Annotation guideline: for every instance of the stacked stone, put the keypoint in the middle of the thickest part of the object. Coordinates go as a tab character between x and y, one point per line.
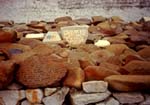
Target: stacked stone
92	93
87	57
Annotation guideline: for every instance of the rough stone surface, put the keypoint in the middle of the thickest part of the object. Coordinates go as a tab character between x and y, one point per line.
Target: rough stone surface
147	100
26	102
75	35
109	101
11	97
14	86
84	99
49	91
34	95
129	98
94	86
57	98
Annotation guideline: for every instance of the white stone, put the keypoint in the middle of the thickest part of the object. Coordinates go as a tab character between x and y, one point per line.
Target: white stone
109	101
49	91
102	43
146	19
129	98
14	86
101	103
11	97
57	98
26	102
94	86
34	95
52	37
147	100
112	101
75	35
35	36
84	99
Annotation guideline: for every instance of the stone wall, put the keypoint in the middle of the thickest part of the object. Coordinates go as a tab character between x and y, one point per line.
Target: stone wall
27	10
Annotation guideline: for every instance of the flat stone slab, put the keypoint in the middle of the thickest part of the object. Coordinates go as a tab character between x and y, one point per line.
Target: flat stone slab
129	98
11	97
52	37
75	35
84	99
94	86
57	98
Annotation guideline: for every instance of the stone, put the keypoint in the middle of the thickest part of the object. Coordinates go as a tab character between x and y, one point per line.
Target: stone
83	21
74	78
75	35
14	86
84	99
145	53
106	29
64	18
147	100
26	102
128	83
98	72
7	36
49	91
112	101
35	36
32	75
11	97
145	19
34	95
52	37
57	98
102	43
129	98
94	86
1	101
6	73
97	19
109	101
138	67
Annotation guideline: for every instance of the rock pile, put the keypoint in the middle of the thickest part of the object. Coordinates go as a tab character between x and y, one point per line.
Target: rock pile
97	61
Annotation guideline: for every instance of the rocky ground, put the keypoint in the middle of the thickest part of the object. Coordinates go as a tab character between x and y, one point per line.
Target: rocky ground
97	61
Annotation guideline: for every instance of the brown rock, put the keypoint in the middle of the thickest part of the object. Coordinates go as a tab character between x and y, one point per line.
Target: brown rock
6	73
145	53
30	42
93	29
117	48
83	21
42	50
138	67
110	66
98	72
146	26
101	55
40	71
4	54
65	18
97	19
74	78
115	60
18	58
129	82
14	48
105	28
7	36
85	63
